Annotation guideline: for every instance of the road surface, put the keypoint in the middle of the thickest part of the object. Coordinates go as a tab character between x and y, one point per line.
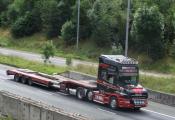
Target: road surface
93	111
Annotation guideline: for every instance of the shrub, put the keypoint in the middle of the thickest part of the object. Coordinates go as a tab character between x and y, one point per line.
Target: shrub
69	61
68	32
3	19
48	51
147	31
26	25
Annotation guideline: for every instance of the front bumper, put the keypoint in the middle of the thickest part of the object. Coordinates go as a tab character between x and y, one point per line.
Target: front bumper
132	103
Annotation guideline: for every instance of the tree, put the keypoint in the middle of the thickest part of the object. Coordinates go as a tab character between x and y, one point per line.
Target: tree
3	12
48	51
85	22
107	21
54	14
68	33
4	5
26	25
147	31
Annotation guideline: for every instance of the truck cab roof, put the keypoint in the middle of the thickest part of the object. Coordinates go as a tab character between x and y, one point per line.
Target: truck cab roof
116	60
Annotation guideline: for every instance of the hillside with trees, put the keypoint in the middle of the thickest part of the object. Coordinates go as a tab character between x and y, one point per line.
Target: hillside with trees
152	23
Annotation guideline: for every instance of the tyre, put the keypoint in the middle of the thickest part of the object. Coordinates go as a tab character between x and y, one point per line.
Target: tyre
113	104
136	109
89	95
80	93
30	82
23	80
16	78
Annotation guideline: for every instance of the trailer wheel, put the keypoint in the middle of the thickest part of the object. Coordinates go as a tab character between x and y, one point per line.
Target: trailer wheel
30	82
113	103
16	78
23	80
136	109
80	93
89	95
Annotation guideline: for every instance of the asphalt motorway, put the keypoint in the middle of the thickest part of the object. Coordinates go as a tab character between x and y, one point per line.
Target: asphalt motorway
69	103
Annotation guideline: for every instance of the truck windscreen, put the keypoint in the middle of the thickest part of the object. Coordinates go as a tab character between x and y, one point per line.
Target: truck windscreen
128	80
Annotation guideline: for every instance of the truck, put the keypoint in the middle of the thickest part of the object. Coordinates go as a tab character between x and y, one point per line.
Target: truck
117	84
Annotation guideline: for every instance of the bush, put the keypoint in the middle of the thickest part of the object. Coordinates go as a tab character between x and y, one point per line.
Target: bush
116	50
12	14
48	51
3	19
148	30
68	33
54	14
107	22
69	61
26	25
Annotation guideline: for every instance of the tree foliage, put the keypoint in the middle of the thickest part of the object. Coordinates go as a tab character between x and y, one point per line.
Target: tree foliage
147	31
26	25
48	51
106	18
68	32
152	22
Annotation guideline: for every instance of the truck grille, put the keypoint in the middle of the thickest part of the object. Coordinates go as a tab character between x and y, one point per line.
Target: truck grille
139	102
139	96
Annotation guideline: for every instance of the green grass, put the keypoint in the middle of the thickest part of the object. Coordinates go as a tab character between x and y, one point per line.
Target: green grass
158	84
164	66
36	66
87	49
5	118
88	69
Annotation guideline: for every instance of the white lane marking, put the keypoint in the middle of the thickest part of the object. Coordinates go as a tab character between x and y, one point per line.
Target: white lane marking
2	80
43	92
61	93
159	113
106	111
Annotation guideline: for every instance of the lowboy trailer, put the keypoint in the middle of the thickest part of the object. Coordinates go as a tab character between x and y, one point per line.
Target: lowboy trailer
117	83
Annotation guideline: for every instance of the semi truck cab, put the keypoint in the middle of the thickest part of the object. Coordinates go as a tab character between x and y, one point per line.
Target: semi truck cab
118	83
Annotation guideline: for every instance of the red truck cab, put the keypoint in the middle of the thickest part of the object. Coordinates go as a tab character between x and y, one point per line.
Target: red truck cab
118	83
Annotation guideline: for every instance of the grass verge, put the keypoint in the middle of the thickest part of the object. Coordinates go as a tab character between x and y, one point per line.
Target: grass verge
36	66
88	69
87	49
159	84
5	118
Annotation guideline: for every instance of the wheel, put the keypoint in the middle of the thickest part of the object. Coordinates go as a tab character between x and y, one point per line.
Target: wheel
23	80
113	103
136	109
30	82
16	78
80	93
89	95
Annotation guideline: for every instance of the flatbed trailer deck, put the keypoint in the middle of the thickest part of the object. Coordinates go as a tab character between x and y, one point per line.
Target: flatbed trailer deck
29	76
58	82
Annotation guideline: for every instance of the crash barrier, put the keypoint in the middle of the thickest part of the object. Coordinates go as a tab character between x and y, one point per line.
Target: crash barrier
155	96
20	108
161	97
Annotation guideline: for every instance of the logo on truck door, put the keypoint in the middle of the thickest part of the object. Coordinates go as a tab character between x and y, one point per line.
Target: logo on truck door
98	97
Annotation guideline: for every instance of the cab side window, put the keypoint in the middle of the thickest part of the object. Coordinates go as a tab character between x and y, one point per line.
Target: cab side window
110	79
103	75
